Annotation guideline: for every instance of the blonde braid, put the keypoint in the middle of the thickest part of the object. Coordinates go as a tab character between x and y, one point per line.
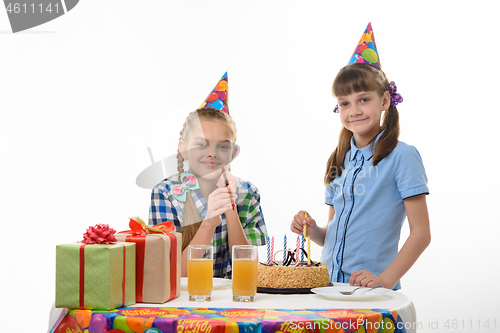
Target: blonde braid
180	158
180	164
190	216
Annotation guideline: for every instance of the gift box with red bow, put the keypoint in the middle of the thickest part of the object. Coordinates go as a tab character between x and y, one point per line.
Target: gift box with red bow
158	260
97	273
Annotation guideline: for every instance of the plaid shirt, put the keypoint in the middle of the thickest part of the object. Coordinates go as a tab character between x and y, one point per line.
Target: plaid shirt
164	207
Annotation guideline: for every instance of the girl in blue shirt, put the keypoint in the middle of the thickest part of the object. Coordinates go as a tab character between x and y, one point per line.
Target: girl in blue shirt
373	182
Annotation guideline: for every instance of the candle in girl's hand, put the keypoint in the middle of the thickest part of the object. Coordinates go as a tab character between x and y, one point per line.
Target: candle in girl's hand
284	248
308	242
304	228
297	252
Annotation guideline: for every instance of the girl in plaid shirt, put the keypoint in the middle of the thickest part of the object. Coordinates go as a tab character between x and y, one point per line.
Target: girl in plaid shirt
199	203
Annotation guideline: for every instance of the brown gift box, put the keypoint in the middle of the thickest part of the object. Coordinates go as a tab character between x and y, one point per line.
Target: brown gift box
158	262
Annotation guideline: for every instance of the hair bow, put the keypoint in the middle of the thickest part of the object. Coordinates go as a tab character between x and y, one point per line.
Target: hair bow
395	97
188	182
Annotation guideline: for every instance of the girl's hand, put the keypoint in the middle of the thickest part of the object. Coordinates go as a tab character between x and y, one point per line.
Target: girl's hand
297	225
233	181
219	202
364	278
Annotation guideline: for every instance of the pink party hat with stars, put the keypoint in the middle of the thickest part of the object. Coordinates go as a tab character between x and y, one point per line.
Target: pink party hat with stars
366	50
217	98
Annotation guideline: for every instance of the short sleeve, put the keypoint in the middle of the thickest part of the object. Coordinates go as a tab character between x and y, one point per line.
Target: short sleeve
161	208
251	216
329	194
411	178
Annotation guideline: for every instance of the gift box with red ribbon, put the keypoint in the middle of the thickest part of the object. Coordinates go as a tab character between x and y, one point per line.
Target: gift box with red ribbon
158	260
97	273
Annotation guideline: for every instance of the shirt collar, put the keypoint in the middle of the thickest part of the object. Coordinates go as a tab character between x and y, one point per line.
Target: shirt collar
367	152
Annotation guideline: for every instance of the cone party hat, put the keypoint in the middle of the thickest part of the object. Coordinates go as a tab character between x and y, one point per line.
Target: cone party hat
366	50
218	97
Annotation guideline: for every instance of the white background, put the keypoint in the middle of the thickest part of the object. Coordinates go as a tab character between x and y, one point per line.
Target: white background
83	96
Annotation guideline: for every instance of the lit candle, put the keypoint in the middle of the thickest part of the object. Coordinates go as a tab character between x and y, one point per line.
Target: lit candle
284	248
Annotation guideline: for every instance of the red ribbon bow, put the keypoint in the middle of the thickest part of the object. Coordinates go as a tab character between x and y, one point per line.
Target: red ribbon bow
100	234
140	228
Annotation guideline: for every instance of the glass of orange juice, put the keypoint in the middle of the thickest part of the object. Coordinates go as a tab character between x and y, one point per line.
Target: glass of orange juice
200	272
244	260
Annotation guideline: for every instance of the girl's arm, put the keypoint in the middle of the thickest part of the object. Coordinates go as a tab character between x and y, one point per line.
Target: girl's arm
219	201
250	217
237	229
316	233
416	243
203	237
235	233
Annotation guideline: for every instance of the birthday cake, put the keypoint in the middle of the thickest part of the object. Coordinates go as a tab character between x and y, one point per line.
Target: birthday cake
289	275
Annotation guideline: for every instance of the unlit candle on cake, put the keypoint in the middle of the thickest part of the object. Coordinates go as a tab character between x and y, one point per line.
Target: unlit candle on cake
284	248
297	252
302	252
308	251
268	252
272	250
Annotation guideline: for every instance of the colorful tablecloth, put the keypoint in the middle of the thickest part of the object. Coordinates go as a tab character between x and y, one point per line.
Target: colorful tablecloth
231	320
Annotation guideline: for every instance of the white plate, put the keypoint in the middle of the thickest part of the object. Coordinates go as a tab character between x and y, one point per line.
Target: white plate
219	283
360	294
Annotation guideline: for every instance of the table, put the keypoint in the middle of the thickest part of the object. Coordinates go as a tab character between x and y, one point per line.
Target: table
273	306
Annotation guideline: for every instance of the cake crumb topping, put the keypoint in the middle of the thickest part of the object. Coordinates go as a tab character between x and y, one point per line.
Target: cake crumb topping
292	276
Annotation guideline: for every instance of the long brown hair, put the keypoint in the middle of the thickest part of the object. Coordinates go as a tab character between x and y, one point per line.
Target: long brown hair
354	78
191	219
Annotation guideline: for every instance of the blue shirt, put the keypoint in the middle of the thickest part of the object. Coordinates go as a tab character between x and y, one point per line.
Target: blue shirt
369	209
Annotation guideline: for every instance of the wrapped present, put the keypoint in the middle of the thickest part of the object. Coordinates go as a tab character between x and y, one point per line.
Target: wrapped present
97	273
158	263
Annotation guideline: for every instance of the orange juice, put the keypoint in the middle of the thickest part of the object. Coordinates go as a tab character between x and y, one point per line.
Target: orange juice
244	277
200	280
